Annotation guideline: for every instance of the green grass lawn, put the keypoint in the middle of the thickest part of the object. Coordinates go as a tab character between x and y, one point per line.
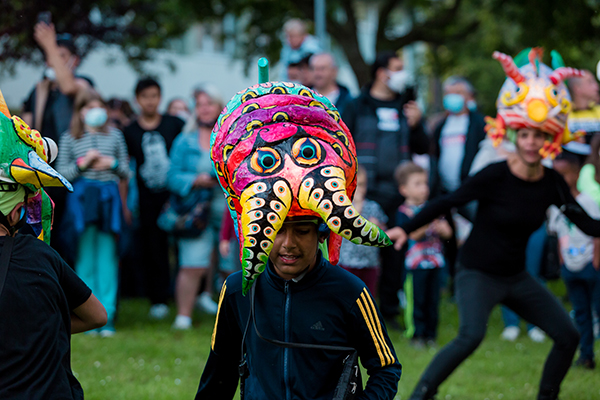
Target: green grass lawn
146	360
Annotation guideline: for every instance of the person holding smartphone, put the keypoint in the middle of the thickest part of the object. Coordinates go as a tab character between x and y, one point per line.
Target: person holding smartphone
49	106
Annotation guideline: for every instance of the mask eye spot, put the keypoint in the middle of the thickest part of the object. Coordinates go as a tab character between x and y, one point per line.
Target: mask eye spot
227	151
253	125
281	117
305	92
278	90
265	160
307	151
338	149
335	115
249	95
250	108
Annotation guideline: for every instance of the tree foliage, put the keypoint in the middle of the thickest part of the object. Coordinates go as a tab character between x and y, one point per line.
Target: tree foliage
138	26
461	34
572	28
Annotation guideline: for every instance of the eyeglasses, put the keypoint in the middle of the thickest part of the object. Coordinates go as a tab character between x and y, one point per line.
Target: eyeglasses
9	187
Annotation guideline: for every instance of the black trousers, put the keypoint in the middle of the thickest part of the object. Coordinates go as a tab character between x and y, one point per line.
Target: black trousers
392	274
476	294
422	288
155	263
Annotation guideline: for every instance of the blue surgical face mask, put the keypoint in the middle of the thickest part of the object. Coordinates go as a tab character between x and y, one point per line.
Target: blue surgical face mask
96	117
472	105
454	103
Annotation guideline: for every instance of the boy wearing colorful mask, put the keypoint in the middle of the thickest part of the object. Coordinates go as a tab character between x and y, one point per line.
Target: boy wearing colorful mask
287	164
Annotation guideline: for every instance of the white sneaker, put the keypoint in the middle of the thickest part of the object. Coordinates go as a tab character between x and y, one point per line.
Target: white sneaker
207	304
106	333
536	334
510	333
159	311
182	323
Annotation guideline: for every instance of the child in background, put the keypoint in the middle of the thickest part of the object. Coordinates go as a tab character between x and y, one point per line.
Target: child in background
580	256
363	261
94	157
424	257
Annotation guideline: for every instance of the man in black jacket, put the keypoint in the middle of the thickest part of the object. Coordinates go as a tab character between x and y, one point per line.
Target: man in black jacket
387	127
456	139
300	298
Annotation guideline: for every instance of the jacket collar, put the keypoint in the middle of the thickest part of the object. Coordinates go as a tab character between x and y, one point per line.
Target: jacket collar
304	281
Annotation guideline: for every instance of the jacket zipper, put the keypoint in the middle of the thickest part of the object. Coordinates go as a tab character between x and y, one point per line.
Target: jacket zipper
286	326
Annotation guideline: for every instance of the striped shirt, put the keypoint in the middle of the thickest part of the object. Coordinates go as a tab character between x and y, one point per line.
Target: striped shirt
108	144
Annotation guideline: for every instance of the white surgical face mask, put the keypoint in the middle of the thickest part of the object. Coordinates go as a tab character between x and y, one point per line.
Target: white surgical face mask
399	80
96	117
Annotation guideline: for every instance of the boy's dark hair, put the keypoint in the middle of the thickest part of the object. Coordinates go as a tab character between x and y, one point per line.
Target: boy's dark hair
302	63
382	60
144	84
405	170
573	159
66	40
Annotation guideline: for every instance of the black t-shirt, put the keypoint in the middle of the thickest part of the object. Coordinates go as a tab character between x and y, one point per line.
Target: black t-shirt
48	126
39	294
150	149
510	210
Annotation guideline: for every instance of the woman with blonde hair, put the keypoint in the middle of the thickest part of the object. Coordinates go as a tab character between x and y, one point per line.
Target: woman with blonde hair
191	172
94	157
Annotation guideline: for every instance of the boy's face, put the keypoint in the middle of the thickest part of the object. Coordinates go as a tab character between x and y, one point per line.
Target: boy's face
361	186
149	99
416	189
295	249
569	172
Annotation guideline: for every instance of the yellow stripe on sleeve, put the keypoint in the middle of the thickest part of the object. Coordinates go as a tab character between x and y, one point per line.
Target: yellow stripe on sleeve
373	334
214	334
379	337
387	349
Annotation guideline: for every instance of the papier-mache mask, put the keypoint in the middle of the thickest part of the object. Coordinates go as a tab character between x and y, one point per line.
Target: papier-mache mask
24	160
534	96
281	150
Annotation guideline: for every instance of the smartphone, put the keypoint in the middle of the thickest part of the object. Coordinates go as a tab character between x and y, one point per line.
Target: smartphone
45	17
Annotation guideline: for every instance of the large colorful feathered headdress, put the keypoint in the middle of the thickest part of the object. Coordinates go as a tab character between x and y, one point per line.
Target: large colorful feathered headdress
24	159
281	150
534	96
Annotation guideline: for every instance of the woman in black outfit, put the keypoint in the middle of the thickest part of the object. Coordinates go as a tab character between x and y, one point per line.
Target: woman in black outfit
513	198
